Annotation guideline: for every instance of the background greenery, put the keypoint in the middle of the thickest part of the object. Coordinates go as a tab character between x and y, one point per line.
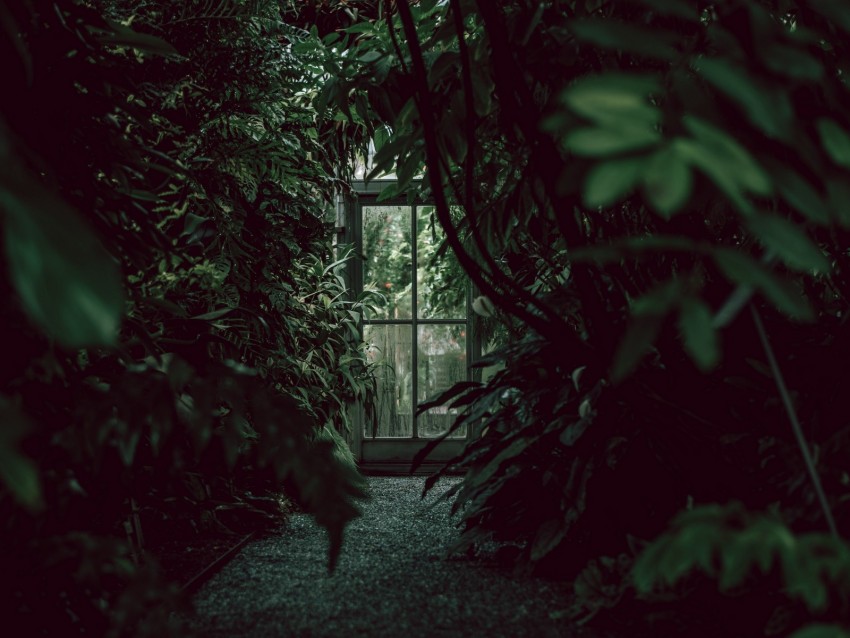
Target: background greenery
179	345
651	192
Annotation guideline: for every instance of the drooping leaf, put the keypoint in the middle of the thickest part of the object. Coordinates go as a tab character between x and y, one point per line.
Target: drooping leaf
638	339
767	109
789	242
122	35
800	194
614	99
19	473
602	142
792	62
748	173
622	36
67	282
658	301
389	192
716	168
835	141
741	268
838	191
820	630
699	334
549	535
609	181
667	181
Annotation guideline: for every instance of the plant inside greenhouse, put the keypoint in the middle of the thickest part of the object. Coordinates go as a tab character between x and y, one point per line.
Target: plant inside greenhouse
425	317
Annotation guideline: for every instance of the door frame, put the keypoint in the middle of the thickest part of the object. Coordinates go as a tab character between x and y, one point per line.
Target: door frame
386	455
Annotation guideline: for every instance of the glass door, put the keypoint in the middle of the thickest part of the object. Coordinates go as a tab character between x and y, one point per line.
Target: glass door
418	338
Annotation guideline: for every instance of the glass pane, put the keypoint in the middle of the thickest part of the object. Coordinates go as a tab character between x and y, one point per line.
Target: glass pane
488	372
390	348
440	282
441	363
387	259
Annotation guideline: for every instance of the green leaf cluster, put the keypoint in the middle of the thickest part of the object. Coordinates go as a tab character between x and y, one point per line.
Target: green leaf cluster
728	543
183	336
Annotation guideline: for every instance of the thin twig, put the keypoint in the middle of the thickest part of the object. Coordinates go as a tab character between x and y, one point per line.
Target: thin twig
795	423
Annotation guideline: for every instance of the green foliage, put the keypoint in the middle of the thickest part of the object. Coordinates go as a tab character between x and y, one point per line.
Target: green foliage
820	631
68	284
620	180
728	542
180	335
19	473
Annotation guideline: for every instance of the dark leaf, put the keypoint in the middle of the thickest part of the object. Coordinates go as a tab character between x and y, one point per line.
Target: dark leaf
621	36
609	181
18	472
767	109
667	181
67	282
639	337
743	269
699	334
835	140
601	142
789	242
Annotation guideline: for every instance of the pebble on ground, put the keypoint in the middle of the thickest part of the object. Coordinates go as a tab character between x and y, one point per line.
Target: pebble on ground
393	580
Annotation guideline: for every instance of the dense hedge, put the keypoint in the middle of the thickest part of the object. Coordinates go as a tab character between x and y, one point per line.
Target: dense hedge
178	341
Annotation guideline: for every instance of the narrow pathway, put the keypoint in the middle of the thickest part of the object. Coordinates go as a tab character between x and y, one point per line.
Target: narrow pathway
392	581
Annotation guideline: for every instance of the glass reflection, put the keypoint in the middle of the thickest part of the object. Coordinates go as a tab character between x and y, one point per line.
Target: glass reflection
387	259
389	347
441	362
440	282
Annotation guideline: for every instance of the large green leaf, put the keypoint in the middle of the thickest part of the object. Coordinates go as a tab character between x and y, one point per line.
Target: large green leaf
667	180
122	35
18	472
610	181
549	535
838	191
67	282
835	141
790	243
732	169
658	301
791	62
743	269
648	314
601	142
800	194
699	334
768	110
614	99
621	36
636	342
739	162
821	631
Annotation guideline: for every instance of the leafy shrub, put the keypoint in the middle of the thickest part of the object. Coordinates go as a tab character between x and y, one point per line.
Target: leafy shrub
729	542
180	335
630	176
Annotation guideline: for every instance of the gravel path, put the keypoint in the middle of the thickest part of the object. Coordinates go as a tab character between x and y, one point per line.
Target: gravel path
392	580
